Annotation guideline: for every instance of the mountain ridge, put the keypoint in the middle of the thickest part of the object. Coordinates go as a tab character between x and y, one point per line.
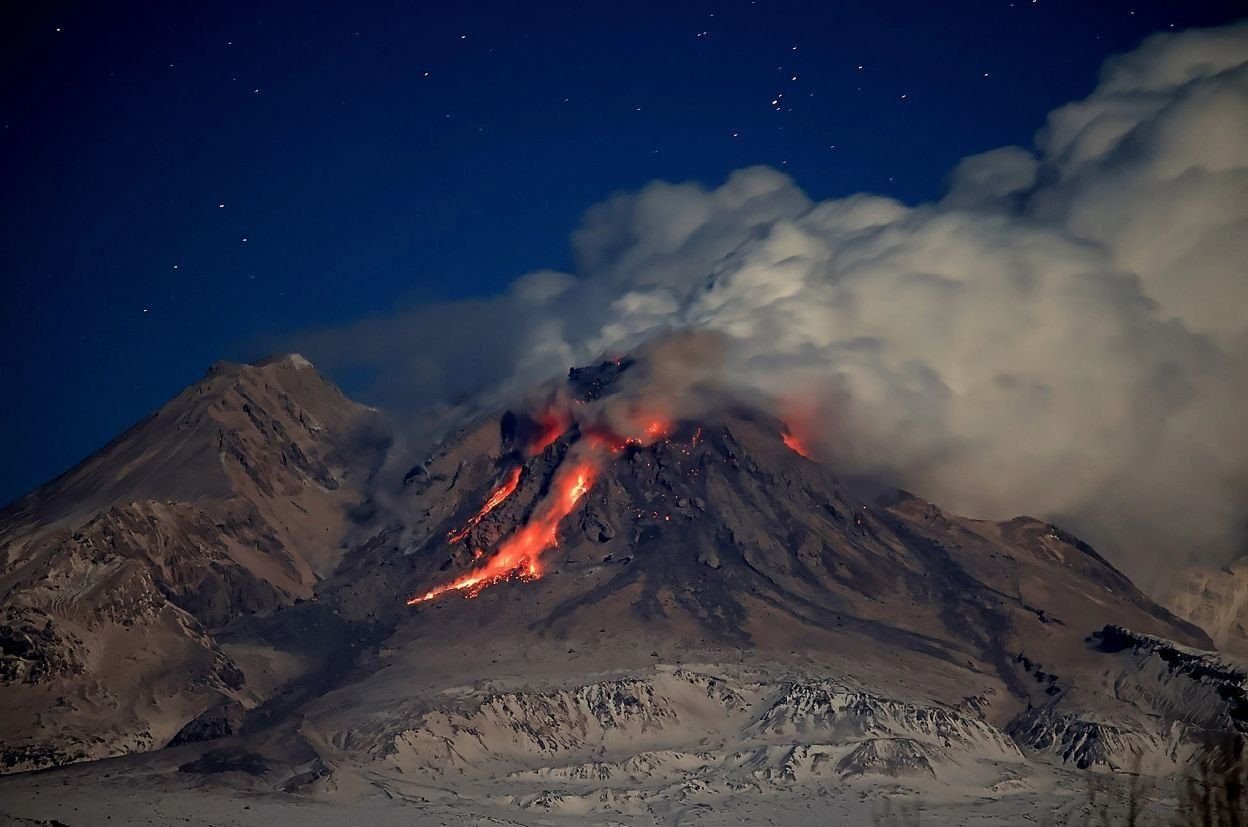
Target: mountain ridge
655	591
228	500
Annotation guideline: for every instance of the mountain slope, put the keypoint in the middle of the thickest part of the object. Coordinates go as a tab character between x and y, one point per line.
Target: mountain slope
230	500
621	600
714	541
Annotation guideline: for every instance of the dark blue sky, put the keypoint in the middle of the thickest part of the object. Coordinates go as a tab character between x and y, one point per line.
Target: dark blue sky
180	184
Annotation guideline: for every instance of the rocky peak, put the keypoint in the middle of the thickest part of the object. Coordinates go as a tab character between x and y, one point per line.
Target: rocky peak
229	501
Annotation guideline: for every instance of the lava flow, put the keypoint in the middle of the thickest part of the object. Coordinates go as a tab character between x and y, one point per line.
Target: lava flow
795	444
501	493
518	556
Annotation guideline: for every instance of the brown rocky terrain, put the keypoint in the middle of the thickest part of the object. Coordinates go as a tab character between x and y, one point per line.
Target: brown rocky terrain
229	501
603	603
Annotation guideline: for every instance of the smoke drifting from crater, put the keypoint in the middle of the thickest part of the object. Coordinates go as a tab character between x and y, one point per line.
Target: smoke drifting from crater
1064	334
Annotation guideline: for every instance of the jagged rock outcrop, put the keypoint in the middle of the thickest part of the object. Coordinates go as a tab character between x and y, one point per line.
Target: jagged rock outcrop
654	729
1173	700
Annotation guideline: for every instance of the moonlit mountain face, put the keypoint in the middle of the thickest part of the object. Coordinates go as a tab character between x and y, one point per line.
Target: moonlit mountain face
622	597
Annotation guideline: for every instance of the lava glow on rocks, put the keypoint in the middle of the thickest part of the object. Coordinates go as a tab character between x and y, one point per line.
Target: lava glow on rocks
653	431
552	425
501	493
518	558
795	444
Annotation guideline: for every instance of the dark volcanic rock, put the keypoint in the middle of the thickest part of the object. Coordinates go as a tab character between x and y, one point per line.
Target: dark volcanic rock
227	760
216	722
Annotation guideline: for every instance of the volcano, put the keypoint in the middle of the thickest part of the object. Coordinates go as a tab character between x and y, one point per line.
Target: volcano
603	604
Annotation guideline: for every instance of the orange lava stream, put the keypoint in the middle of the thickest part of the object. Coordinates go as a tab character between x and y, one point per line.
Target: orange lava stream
518	556
794	444
503	492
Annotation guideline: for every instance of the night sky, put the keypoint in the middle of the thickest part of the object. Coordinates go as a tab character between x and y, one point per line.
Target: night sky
182	186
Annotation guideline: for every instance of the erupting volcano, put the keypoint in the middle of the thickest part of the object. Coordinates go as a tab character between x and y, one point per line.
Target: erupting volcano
593	441
518	558
653	529
624	540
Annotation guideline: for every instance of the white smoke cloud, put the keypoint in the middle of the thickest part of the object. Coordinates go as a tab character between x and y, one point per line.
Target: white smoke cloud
1064	334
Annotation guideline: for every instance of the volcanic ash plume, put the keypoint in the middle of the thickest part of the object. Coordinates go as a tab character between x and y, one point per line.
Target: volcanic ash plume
1064	334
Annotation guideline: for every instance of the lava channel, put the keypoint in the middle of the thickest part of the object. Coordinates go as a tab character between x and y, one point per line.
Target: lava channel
496	499
518	558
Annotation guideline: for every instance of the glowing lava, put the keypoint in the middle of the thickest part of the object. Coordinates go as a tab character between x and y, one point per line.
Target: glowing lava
518	556
653	431
794	443
552	425
501	493
657	429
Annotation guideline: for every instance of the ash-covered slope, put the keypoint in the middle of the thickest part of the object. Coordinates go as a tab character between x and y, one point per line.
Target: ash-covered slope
1216	599
230	500
625	599
706	524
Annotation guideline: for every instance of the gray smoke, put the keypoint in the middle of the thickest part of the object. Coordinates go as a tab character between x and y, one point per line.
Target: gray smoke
1064	334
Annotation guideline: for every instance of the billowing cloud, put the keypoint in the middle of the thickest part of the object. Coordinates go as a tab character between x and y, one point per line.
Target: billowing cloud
1064	334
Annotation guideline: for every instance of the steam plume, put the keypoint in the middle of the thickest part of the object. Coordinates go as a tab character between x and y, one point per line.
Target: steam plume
1064	334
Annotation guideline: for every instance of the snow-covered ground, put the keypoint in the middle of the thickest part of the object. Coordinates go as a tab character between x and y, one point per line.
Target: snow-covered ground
674	745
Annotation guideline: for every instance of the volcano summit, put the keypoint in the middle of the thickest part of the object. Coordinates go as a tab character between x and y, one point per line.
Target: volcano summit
607	603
